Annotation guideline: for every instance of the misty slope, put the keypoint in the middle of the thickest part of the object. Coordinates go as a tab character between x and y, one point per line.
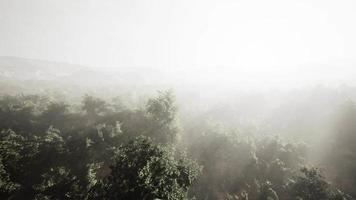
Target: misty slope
14	68
292	112
22	69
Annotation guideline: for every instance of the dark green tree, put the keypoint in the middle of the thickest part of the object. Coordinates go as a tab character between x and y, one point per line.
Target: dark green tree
143	170
311	185
163	114
34	167
93	107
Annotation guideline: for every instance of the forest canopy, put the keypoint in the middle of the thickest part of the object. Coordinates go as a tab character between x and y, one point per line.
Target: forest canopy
99	149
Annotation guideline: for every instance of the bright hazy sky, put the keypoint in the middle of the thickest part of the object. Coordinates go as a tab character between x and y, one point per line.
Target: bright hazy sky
246	39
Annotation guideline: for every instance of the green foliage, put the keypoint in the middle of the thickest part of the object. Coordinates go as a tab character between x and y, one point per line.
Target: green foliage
163	113
67	164
35	168
162	108
94	150
340	159
93	107
311	185
56	114
244	167
142	170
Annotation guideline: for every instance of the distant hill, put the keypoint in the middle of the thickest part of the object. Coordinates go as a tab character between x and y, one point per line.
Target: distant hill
23	69
29	69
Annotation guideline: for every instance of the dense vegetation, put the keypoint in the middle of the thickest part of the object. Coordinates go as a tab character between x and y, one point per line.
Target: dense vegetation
97	149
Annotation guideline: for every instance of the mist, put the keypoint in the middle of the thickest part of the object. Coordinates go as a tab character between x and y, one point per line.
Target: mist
210	100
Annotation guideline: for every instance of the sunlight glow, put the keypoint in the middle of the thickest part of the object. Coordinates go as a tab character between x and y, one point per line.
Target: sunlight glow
257	42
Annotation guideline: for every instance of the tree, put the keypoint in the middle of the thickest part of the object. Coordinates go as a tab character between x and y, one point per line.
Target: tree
32	167
341	157
16	114
54	115
311	185
93	107
163	113
143	170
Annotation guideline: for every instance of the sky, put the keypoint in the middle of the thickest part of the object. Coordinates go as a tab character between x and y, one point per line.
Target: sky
274	42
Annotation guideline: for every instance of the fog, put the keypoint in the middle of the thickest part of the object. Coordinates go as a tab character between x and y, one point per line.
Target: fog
225	100
254	43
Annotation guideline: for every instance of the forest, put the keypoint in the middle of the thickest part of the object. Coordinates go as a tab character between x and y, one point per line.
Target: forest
97	148
177	100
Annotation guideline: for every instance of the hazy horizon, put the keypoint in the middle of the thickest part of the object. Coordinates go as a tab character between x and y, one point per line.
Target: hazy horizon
252	43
